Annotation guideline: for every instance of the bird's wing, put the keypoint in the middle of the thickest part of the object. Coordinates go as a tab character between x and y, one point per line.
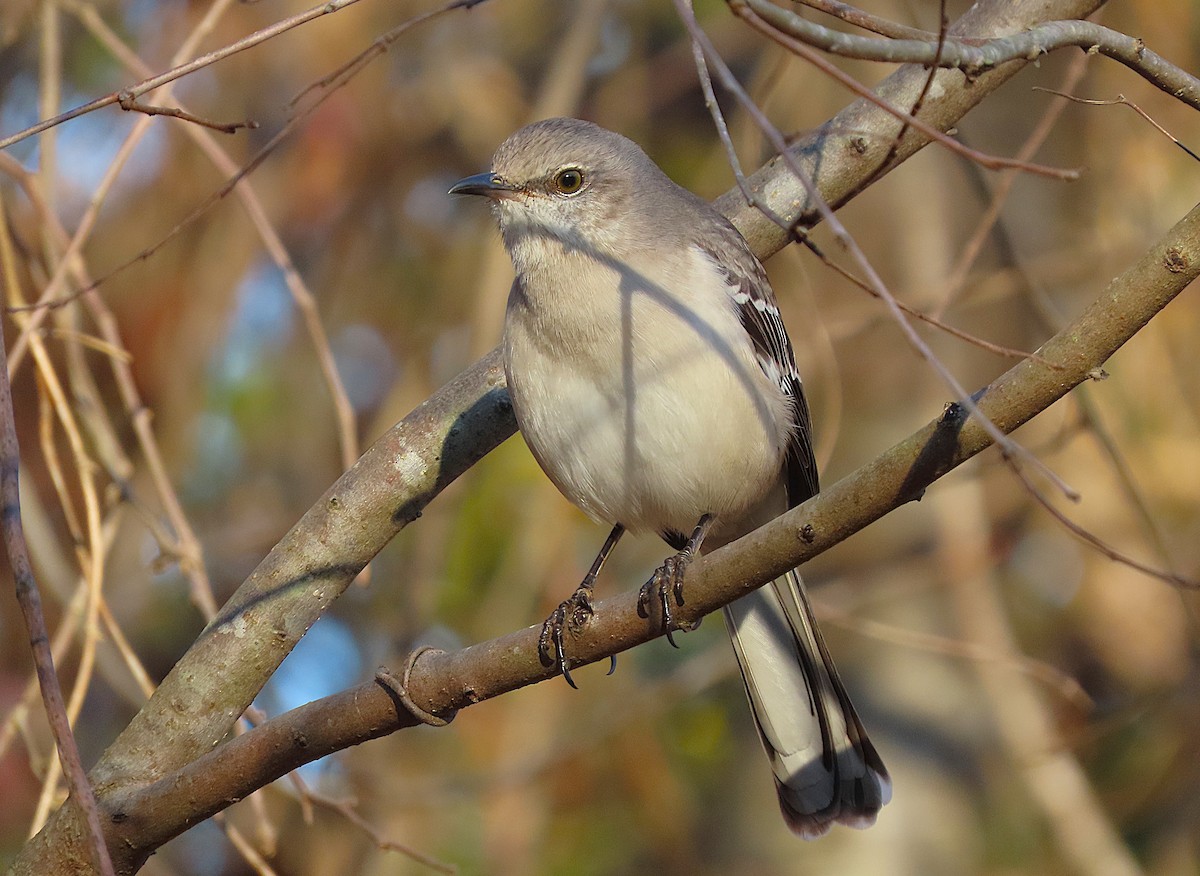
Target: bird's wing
751	292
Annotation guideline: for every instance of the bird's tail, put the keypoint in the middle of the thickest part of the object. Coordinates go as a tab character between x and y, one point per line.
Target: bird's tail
826	769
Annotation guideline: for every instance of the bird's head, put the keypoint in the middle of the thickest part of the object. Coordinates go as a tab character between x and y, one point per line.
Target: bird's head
565	179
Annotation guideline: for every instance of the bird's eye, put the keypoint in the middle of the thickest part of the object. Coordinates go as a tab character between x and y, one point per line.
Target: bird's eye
569	180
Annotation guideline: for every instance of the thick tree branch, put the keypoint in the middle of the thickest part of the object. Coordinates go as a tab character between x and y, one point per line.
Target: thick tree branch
442	683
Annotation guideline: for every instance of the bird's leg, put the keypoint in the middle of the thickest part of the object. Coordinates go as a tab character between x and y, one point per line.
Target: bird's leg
574	612
667	580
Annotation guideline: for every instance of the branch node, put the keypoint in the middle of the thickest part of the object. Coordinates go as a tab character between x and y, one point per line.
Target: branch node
953	416
1176	260
399	687
129	102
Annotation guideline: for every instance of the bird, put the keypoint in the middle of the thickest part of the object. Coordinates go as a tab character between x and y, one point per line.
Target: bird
653	379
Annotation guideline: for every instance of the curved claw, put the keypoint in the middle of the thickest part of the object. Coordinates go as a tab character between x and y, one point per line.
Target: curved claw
547	638
573	612
564	668
667	581
668	618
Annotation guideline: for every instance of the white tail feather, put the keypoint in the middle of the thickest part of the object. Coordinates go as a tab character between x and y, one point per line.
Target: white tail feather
826	769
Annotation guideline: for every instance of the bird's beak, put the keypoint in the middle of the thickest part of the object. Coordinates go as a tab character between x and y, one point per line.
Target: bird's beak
487	184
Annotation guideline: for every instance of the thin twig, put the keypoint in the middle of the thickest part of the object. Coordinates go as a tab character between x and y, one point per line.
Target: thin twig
1094	541
91	545
893	150
1139	504
68	260
975	340
186	545
867	21
1053	321
305	301
329	85
1004	185
345	808
348	442
339	77
718	117
1120	99
35	622
73	608
14	722
129	103
1070	690
244	847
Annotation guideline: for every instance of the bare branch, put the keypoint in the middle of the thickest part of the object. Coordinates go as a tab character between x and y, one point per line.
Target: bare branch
722	128
909	119
30	601
867	21
926	318
987	223
333	81
943	23
1122	100
272	242
975	58
1107	550
129	103
345	808
851	146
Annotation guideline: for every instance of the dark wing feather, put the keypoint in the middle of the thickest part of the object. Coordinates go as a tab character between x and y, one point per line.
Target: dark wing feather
751	292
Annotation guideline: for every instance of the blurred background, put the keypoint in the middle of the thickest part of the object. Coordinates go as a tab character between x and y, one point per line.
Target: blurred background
1036	702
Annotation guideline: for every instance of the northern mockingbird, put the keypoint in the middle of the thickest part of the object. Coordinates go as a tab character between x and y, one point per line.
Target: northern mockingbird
654	381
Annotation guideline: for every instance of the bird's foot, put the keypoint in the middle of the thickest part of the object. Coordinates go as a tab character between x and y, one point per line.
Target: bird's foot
665	585
574	613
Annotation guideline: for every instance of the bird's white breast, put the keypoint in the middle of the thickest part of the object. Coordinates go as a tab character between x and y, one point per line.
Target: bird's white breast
637	388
